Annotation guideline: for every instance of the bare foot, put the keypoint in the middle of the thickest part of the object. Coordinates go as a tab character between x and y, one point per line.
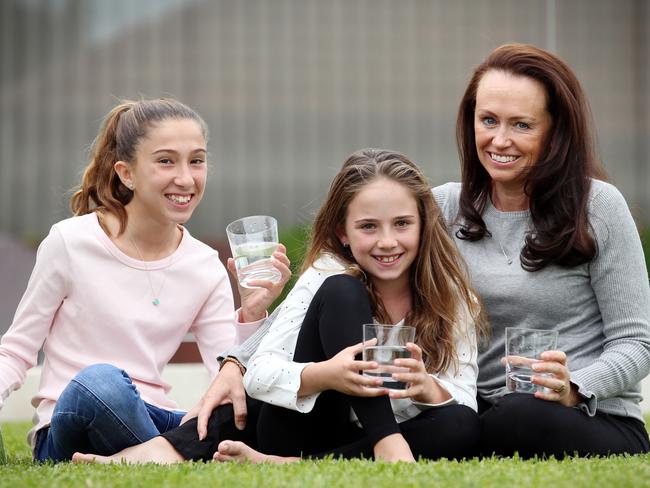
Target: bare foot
393	448
81	458
157	450
240	452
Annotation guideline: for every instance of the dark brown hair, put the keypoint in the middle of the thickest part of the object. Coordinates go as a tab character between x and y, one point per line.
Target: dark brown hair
440	288
121	131
558	184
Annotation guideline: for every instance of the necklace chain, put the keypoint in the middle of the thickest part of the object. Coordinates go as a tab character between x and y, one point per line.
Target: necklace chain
156	299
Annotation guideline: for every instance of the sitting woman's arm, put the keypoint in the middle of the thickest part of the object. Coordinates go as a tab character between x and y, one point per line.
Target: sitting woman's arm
619	279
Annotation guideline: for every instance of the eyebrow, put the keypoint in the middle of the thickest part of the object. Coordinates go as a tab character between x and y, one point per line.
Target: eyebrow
485	111
370	219
176	152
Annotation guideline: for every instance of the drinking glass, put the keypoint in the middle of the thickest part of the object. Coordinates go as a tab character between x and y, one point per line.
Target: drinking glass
390	345
253	240
523	348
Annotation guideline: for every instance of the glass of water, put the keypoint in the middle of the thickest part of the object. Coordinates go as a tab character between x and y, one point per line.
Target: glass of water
253	240
390	345
523	348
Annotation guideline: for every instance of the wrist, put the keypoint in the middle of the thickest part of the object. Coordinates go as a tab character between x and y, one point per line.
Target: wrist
248	315
233	364
313	379
574	397
429	396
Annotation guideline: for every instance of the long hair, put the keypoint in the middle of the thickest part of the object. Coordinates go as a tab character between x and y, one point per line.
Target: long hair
558	184
440	287
121	131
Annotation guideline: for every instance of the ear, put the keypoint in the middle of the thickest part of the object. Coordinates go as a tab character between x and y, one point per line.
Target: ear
342	236
123	170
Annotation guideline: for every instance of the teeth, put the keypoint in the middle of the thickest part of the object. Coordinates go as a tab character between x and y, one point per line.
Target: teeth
386	259
179	198
503	159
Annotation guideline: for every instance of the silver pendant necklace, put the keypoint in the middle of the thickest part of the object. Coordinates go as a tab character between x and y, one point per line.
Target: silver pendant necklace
156	299
503	251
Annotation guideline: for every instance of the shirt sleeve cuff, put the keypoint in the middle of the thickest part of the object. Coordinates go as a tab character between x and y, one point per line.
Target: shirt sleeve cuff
589	401
246	329
303	404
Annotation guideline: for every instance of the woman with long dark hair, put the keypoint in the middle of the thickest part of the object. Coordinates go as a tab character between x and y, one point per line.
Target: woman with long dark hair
550	245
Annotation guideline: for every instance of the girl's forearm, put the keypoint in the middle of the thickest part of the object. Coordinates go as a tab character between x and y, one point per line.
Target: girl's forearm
313	379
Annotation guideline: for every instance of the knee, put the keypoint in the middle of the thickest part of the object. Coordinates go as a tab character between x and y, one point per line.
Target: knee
103	381
514	421
343	290
100	373
512	410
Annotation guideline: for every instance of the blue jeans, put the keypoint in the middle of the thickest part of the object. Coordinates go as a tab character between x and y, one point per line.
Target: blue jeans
100	412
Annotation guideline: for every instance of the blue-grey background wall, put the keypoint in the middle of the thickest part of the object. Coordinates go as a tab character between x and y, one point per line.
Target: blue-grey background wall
289	88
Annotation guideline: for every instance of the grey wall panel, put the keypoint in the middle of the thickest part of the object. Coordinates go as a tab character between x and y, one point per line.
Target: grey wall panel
290	87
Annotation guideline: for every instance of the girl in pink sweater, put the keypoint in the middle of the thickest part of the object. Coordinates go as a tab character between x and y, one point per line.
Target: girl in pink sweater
117	287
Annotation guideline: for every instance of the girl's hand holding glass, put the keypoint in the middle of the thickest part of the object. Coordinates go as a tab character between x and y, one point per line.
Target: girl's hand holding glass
255	301
421	386
342	373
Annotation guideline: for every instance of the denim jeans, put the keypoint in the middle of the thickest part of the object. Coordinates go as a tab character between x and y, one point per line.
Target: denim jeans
100	412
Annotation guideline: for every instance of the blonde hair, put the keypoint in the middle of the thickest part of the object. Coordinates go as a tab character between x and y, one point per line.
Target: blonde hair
442	295
121	131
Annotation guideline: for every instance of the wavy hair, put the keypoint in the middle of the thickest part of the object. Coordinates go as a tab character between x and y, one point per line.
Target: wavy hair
558	184
121	131
439	283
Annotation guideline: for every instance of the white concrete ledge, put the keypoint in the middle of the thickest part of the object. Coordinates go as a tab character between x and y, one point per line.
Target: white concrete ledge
188	381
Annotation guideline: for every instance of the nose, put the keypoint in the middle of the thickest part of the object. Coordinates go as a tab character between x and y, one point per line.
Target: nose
183	175
502	136
387	240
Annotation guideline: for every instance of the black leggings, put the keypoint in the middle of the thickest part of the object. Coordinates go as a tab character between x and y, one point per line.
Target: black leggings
532	427
332	323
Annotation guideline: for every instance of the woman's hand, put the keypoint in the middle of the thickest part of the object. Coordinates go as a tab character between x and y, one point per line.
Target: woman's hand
421	387
558	382
255	301
342	373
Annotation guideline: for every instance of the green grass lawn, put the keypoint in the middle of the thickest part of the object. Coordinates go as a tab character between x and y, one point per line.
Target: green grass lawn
614	471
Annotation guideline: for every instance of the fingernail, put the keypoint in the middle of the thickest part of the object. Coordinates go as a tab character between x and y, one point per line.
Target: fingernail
535	366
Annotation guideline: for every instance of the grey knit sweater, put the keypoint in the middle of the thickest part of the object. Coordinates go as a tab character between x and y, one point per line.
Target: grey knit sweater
601	309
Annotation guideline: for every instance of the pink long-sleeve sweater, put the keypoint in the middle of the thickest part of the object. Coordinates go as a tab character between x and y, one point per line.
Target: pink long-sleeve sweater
87	302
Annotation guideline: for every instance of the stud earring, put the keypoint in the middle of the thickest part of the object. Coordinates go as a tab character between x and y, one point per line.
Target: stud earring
130	186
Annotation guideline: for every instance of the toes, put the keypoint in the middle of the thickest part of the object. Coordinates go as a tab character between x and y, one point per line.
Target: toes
224	447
